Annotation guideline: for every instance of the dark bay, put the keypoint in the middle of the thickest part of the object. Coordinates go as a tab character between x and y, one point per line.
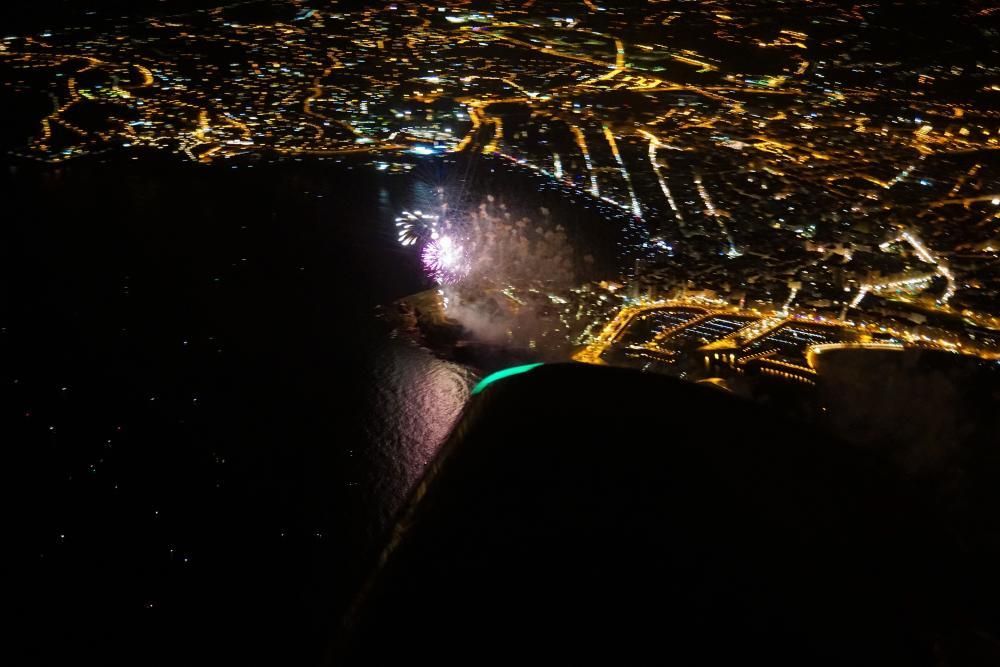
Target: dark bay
209	423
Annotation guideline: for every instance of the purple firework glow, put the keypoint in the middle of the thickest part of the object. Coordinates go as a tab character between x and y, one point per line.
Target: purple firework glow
444	260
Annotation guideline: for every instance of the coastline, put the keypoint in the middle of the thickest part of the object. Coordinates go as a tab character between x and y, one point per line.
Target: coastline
421	318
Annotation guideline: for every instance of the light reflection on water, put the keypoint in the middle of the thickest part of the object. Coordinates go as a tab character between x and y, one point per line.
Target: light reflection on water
415	400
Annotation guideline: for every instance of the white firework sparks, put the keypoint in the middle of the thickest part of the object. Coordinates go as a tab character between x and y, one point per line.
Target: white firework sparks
416	226
441	247
444	259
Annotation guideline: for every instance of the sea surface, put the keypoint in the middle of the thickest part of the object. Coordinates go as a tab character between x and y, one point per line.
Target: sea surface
207	424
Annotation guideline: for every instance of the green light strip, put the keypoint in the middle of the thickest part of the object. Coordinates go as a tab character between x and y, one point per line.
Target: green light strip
499	375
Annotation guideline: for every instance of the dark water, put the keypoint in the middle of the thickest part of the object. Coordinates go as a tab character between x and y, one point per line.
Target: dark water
206	424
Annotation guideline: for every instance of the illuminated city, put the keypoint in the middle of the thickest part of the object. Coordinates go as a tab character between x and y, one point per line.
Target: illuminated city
803	170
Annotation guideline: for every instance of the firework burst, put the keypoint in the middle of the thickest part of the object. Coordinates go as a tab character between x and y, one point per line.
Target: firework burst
440	242
415	227
485	245
444	260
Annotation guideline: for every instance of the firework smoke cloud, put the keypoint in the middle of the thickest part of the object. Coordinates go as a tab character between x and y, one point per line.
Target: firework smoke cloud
488	246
